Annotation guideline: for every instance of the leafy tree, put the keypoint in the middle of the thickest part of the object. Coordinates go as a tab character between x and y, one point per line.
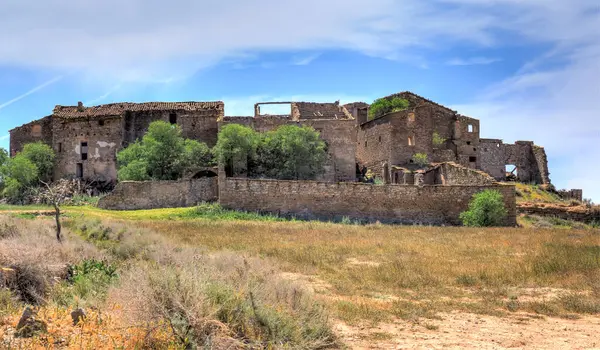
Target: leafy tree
292	153
20	173
383	106
197	155
236	148
485	209
42	156
162	154
420	159
289	152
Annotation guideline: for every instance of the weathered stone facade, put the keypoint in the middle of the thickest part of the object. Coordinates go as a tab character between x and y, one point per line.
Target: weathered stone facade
133	195
87	139
390	140
386	203
35	131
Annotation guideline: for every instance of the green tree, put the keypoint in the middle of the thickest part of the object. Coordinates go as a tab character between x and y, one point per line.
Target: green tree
236	148
197	155
162	154
383	106
20	173
420	159
292	153
485	209
42	156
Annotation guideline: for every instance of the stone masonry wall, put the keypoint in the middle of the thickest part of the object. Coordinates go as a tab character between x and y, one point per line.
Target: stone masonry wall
103	137
133	195
38	130
386	203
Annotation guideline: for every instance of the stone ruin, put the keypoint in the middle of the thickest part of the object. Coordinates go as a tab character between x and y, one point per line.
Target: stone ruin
87	139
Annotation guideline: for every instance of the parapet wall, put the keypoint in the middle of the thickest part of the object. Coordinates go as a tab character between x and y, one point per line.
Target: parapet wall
133	195
435	205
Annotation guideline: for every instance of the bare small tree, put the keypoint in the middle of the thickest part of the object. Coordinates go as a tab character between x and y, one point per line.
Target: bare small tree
56	193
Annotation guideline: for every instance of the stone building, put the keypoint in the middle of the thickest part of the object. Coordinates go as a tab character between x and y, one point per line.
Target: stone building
87	139
334	123
386	143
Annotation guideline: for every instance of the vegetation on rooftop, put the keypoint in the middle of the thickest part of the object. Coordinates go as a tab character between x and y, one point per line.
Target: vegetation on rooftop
383	106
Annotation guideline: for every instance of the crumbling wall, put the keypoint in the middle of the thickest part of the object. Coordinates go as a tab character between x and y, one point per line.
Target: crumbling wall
133	195
492	158
35	131
579	213
103	136
386	203
455	174
530	160
575	194
466	141
374	142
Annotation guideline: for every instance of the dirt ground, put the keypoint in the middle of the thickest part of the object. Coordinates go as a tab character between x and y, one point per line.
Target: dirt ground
464	330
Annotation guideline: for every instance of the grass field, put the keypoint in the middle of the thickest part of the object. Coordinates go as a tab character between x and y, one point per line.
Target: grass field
363	274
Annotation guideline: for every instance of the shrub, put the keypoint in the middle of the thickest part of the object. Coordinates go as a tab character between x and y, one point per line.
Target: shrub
485	209
88	282
420	159
437	139
383	106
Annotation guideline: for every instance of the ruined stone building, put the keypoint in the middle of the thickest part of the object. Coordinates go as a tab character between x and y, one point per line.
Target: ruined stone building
386	143
86	139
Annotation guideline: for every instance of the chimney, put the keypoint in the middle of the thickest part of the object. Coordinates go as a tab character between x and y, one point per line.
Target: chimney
80	106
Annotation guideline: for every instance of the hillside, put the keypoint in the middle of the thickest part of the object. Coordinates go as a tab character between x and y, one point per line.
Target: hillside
212	276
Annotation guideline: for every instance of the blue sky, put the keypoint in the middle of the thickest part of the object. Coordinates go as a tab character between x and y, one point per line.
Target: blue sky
528	69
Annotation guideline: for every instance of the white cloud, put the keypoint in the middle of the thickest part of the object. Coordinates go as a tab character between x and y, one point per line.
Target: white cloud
144	39
32	91
555	107
305	60
472	61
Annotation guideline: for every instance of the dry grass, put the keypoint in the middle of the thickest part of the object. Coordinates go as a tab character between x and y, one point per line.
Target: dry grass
436	268
166	294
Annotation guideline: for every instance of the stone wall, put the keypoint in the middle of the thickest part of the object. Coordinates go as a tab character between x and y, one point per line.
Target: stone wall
386	203
38	130
133	195
530	160
579	213
454	174
103	136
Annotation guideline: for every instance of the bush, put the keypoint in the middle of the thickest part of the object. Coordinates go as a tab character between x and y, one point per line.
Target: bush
162	154
384	105
88	282
437	139
485	209
420	159
236	148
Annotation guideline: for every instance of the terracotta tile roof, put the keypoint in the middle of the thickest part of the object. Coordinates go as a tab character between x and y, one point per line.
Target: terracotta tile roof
115	109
